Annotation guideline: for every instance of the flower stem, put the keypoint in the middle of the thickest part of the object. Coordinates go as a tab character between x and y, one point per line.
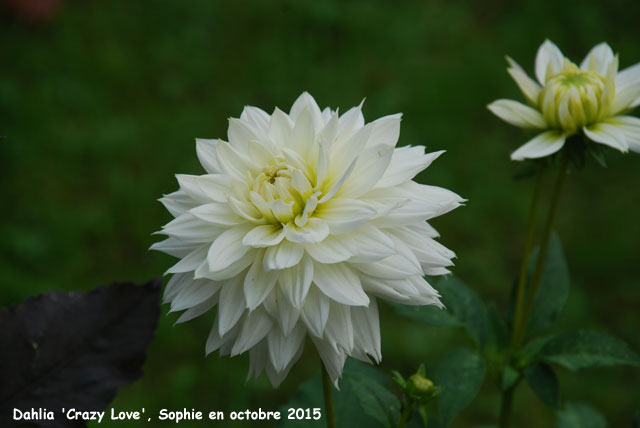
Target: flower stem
531	227
544	246
505	407
327	389
406	412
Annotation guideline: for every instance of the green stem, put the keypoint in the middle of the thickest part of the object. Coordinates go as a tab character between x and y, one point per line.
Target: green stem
531	227
406	412
327	389
505	407
544	246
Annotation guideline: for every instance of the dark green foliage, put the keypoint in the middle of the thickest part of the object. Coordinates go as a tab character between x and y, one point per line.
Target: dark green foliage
460	375
579	415
585	349
463	308
544	383
364	399
553	289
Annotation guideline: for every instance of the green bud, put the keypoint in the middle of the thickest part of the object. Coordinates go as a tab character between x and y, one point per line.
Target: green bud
420	386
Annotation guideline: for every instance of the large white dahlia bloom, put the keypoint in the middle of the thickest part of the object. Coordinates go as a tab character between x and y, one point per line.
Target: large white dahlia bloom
593	99
301	222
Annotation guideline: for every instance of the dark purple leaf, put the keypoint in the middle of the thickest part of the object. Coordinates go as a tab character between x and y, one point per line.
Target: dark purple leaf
62	350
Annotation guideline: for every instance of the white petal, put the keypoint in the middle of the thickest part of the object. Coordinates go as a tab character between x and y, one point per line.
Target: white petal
178	202
343	154
191	261
254	328
282	256
543	145
189	185
264	236
370	167
394	290
230	271
216	213
339	331
304	133
295	282
215	187
386	130
288	316
197	310
314	230
630	126
174	247
548	56
258	284
275	377
231	305
259	152
406	163
626	98
240	132
340	282
315	311
398	266
367	244
175	285
598	59
366	329
344	215
527	85
280	128
608	135
228	248
258	118
207	155
306	102
410	203
628	77
191	229
222	342
194	293
517	114
282	348
333	360
233	161
336	185
350	122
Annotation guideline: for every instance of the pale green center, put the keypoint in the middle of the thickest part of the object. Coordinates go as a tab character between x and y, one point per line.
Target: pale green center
574	98
273	194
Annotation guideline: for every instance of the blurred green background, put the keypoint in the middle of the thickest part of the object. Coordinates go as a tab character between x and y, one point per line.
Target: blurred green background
101	104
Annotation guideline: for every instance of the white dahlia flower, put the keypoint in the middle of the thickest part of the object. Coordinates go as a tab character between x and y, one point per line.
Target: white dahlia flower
301	222
593	98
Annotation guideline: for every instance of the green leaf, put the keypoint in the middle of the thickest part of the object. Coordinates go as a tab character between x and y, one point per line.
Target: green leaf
364	399
509	377
583	349
428	314
544	383
579	415
498	332
464	308
374	397
460	375
553	289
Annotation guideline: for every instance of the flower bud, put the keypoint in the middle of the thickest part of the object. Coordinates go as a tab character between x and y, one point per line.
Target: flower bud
420	386
574	98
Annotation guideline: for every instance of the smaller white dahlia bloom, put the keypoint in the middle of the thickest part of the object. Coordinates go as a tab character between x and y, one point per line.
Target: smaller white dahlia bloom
593	99
302	221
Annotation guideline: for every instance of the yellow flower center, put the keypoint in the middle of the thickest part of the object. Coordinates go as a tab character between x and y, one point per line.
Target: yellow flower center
272	192
574	98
